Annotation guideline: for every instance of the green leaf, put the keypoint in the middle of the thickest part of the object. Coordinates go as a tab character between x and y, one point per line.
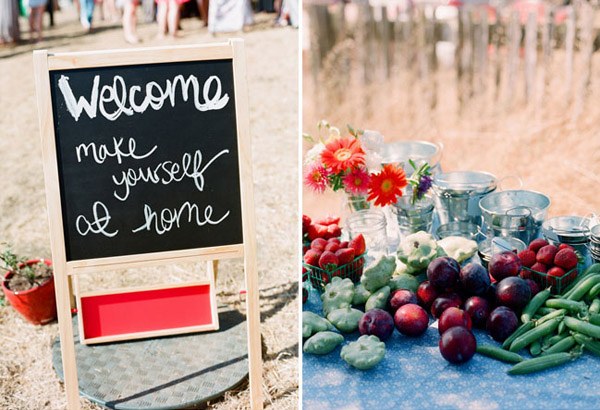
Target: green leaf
308	138
351	130
412	164
323	124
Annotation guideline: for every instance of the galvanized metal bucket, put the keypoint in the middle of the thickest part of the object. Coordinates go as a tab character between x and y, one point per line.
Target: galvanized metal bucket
517	213
457	195
572	230
399	152
595	242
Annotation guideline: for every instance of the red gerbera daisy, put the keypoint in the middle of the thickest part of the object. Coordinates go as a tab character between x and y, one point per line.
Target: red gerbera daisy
316	178
342	154
387	185
357	181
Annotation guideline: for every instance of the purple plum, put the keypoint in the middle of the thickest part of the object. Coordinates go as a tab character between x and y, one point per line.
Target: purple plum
376	322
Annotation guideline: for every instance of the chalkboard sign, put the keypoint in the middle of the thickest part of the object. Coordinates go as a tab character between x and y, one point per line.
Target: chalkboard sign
147	157
147	160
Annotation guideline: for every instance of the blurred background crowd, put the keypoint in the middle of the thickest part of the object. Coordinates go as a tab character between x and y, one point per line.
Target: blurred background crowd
25	20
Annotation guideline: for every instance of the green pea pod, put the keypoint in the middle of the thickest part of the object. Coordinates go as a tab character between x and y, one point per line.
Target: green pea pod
545	310
525	327
582	327
553	339
561	346
498	353
595	291
345	319
551	315
570	305
379	299
365	353
584	287
535	348
540	363
534	304
534	334
589	344
593	269
323	343
562	328
594	306
594	319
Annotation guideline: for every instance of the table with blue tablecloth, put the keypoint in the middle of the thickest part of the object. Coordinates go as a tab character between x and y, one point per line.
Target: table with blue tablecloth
414	375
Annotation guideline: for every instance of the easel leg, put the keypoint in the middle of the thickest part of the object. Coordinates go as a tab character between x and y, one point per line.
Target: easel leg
213	268
254	339
65	328
72	293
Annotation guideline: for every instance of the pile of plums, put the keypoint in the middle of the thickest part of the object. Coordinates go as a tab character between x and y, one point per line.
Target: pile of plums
462	297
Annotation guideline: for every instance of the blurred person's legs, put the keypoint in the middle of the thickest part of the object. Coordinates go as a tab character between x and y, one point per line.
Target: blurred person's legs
203	9
9	22
87	13
149	10
50	10
173	17
36	15
130	21
161	17
109	11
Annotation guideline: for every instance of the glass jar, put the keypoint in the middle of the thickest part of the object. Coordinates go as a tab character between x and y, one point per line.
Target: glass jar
356	203
414	217
372	224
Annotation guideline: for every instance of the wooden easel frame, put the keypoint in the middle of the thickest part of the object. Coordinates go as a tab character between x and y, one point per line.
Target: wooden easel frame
45	62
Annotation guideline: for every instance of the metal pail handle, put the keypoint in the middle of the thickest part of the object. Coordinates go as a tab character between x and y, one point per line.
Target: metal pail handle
508	177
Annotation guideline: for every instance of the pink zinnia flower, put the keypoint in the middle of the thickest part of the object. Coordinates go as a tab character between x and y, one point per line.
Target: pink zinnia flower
357	181
316	178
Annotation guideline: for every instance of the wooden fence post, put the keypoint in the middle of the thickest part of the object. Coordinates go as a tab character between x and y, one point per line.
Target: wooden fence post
514	41
587	49
569	48
530	56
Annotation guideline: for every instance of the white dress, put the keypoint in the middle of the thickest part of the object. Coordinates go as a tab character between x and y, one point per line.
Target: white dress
9	21
229	15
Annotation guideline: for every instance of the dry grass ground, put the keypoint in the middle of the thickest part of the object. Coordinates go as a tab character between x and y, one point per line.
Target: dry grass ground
27	380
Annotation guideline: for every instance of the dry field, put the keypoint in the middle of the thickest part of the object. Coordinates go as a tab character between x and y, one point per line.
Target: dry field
27	380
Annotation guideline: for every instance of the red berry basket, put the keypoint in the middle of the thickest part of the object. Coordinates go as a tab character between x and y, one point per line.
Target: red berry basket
558	283
320	277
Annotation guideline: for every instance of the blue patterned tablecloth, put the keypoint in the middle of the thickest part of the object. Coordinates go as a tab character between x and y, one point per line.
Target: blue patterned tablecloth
414	375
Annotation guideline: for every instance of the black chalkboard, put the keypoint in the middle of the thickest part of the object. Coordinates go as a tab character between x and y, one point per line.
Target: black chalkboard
141	167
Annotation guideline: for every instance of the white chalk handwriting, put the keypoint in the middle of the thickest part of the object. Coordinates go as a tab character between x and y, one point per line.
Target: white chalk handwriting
165	173
98	224
116	99
168	218
102	152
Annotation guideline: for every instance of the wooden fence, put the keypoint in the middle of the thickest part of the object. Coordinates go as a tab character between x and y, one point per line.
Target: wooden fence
516	56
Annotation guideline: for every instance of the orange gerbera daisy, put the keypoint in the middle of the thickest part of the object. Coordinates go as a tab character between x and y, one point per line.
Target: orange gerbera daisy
386	186
342	154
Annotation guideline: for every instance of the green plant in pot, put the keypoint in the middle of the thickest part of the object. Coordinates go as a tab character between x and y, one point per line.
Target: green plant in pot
28	286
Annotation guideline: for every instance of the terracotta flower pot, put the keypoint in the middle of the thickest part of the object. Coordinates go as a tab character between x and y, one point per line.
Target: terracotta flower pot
38	304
